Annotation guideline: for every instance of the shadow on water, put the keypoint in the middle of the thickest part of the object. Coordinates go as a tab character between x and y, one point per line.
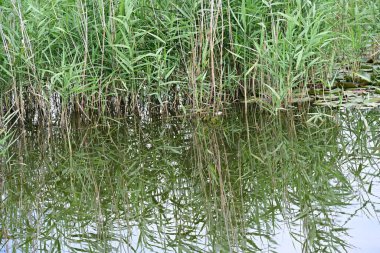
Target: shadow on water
193	186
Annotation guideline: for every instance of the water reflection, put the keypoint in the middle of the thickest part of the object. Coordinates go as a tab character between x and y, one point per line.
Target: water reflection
284	184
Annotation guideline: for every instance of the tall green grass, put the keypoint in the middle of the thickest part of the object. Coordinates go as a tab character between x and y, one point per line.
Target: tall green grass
120	56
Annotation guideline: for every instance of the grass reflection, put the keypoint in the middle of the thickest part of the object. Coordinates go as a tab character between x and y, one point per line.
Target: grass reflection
191	186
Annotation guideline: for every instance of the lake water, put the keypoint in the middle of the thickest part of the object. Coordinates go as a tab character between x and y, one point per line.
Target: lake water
234	183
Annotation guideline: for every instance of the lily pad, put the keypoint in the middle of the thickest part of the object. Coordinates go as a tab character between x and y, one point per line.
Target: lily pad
301	100
359	78
348	85
327	103
354	92
366	67
328	97
363	77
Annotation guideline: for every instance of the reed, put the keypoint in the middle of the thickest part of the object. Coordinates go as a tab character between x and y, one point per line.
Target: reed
110	56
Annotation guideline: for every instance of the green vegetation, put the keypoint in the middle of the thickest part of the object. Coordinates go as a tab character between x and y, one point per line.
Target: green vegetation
6	135
216	184
119	56
177	186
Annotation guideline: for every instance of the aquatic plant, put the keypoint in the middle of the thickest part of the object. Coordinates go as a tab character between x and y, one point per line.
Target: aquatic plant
110	56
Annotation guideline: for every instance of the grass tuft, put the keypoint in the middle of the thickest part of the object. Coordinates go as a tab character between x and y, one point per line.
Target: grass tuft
111	56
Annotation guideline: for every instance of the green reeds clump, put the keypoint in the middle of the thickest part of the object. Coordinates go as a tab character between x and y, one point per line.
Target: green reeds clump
100	56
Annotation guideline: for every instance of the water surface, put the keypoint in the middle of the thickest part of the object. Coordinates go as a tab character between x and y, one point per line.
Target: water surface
237	183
